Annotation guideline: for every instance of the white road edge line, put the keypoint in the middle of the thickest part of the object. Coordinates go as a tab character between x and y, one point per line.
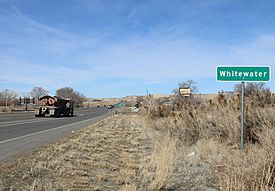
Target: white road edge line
11	123
13	114
40	132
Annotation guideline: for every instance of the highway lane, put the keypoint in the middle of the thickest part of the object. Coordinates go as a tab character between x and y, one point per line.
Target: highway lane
16	116
22	132
23	124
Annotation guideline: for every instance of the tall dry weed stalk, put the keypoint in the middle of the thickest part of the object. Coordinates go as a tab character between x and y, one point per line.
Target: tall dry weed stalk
162	161
212	130
258	181
190	122
39	184
156	170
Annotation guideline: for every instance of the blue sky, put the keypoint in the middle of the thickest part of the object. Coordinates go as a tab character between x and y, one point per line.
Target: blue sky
114	48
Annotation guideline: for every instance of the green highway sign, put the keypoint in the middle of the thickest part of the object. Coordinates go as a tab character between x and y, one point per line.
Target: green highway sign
243	73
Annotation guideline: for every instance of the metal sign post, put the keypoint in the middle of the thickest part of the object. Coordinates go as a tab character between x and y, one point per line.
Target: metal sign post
242	117
243	74
26	102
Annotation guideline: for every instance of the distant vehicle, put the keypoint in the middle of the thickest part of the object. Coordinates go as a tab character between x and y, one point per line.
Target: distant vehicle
54	107
110	106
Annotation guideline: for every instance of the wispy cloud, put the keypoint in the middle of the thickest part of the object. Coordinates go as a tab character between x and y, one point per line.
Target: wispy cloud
126	43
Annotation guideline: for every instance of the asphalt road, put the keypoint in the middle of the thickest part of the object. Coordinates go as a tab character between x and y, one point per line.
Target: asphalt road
22	132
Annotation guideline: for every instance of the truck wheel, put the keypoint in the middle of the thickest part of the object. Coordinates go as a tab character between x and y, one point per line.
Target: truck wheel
39	115
57	113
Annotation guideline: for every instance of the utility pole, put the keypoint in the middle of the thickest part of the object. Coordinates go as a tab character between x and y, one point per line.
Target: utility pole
147	94
6	98
26	103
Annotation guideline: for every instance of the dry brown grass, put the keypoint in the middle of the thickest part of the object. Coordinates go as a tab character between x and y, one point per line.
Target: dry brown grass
210	132
157	168
105	156
189	146
5	109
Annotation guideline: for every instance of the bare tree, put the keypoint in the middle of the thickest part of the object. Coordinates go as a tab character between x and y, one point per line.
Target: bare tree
251	88
68	92
78	98
38	92
186	84
65	92
175	91
257	91
7	96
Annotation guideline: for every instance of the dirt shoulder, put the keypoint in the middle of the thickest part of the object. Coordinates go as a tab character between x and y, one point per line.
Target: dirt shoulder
104	156
163	148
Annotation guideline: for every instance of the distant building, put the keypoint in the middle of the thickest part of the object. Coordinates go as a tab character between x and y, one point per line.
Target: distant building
93	100
228	93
